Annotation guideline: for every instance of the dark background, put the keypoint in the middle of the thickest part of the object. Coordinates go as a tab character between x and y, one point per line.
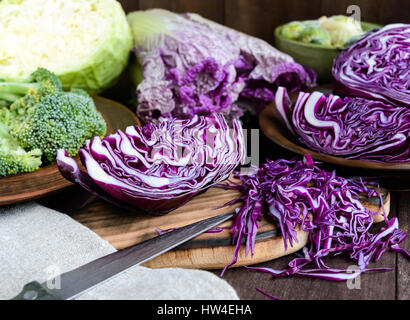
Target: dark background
260	17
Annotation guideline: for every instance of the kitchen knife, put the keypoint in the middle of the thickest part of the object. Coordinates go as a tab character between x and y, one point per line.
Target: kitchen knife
83	278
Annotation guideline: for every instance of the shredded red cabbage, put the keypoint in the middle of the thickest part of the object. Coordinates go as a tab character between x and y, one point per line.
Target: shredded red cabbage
377	66
158	167
353	128
298	193
267	294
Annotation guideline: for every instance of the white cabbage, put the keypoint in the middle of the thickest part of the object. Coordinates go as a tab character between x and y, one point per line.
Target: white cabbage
85	42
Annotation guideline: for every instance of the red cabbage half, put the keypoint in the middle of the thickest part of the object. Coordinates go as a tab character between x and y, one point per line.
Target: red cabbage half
298	193
191	65
160	166
354	128
377	66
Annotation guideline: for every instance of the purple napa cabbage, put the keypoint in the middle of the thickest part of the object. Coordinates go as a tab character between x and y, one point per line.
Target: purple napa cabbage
377	66
298	193
158	167
353	128
191	65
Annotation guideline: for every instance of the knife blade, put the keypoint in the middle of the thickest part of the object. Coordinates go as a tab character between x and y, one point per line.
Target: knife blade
85	277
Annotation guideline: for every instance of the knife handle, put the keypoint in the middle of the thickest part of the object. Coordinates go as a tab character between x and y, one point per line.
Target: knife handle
35	291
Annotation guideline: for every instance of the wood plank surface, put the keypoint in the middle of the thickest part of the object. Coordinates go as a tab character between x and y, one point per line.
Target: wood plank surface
378	11
129	5
374	286
260	17
211	9
403	267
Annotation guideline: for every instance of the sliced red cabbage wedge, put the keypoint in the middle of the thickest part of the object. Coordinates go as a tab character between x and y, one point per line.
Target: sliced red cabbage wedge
298	193
353	128
284	106
377	66
158	167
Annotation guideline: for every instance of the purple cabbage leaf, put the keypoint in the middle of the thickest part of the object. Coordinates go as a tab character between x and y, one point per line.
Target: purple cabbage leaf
376	66
190	65
353	128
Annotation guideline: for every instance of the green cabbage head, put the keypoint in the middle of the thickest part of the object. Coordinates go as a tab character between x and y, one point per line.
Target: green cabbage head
85	42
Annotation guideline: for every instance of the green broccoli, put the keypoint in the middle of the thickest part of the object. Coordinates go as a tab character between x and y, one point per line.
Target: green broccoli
13	158
46	118
40	80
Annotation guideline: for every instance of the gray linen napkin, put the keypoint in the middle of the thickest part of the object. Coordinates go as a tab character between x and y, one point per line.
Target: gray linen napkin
37	243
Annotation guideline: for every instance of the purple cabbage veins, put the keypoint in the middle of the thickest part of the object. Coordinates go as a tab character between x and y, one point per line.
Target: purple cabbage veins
191	65
377	66
158	167
353	128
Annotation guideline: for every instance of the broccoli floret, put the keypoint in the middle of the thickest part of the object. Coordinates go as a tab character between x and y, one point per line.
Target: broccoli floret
62	120
41	81
45	77
13	158
47	118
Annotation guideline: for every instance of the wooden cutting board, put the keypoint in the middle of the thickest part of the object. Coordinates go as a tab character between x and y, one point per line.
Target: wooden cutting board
207	251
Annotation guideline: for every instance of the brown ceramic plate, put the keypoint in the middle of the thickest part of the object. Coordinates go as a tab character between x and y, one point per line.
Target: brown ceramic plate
275	129
46	180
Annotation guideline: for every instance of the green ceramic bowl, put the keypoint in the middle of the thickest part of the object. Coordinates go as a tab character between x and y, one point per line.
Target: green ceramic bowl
319	57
